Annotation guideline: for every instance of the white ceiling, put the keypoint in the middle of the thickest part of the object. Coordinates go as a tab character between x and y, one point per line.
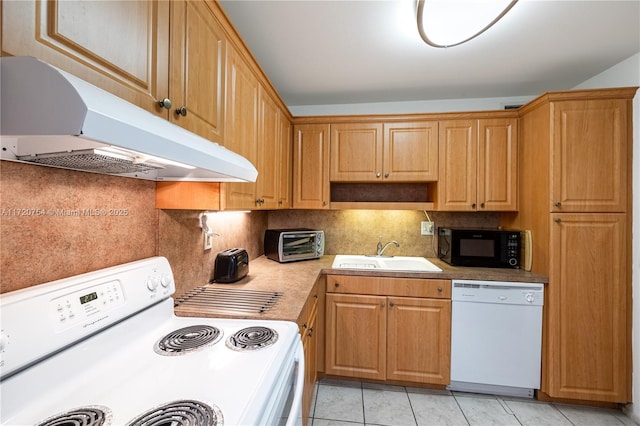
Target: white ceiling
327	52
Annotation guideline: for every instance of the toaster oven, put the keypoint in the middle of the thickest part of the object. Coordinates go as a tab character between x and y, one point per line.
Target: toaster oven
288	245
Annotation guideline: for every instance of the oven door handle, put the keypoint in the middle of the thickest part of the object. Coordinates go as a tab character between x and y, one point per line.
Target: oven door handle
295	415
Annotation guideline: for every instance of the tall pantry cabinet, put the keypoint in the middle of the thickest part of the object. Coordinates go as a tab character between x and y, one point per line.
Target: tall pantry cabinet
575	197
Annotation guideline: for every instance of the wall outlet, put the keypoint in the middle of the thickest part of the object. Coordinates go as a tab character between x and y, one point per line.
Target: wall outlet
208	240
426	228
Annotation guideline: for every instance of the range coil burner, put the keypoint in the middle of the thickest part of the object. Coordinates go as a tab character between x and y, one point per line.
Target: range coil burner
187	339
181	413
82	416
252	338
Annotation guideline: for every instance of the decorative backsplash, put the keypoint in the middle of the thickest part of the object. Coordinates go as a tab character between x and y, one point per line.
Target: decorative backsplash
358	231
181	242
57	223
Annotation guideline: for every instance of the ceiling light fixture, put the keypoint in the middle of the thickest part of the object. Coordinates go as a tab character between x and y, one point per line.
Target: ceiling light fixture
453	22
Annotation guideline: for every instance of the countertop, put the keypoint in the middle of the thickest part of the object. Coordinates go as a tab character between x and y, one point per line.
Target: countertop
295	281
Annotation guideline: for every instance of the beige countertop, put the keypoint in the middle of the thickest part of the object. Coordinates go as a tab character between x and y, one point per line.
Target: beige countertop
295	281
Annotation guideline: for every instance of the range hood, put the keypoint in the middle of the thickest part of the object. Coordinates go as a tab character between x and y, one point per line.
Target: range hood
53	118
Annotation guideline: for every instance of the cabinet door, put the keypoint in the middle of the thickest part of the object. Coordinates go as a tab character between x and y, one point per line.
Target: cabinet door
356	336
457	166
589	156
119	46
497	165
587	349
284	162
241	126
410	152
356	152
197	70
310	346
311	166
419	340
267	162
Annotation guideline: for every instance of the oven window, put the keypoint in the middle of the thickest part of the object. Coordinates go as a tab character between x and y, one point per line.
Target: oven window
477	248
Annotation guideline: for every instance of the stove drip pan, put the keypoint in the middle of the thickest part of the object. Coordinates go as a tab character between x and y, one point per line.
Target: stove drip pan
187	339
83	416
181	413
252	338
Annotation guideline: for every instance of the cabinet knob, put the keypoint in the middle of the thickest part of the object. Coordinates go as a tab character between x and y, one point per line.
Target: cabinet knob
557	220
337	285
279	202
473	205
304	325
378	174
482	205
181	111
382	304
439	289
386	175
391	304
324	203
558	204
165	103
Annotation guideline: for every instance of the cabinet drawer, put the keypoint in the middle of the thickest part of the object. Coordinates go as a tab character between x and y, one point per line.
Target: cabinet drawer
387	286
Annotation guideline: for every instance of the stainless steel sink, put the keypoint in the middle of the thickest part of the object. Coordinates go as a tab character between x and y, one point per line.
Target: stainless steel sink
395	263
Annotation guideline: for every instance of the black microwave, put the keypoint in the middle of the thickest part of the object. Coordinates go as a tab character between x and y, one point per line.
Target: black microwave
485	248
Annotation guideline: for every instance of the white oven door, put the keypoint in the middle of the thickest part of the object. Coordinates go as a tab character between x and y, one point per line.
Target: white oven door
286	399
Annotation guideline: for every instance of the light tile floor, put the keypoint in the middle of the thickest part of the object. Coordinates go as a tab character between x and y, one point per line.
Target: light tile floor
352	403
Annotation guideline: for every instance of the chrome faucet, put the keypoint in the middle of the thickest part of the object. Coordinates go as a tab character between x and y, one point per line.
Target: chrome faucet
382	248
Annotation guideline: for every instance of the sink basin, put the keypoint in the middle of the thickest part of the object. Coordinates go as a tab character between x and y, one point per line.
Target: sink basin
395	263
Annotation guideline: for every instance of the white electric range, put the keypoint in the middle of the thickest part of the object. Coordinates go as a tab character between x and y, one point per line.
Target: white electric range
105	348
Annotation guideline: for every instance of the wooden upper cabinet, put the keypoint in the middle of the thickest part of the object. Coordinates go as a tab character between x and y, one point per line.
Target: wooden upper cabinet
284	162
410	151
497	164
311	166
478	165
196	87
389	152
268	153
241	129
457	165
589	156
356	152
119	46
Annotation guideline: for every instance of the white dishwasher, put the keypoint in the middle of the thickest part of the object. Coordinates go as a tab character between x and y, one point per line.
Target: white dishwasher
496	337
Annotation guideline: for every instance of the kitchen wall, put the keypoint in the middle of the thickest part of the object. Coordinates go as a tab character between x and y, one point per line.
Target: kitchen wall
627	73
57	223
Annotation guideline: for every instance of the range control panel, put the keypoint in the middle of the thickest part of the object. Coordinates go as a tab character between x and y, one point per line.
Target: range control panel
84	304
40	320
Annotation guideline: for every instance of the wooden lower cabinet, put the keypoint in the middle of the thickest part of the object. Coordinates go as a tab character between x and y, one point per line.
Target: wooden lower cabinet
309	332
587	352
388	337
356	336
419	340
